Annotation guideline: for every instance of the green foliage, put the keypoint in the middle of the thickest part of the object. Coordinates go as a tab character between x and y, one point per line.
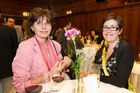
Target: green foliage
70	52
75	65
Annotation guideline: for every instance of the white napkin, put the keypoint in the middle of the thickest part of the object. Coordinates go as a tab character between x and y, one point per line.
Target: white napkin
91	85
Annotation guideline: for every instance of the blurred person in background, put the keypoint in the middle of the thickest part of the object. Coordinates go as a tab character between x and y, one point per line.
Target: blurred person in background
11	22
96	38
8	47
56	33
61	38
88	39
25	29
81	36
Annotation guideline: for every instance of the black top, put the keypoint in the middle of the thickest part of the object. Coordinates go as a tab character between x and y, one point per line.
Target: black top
111	64
8	46
62	39
119	64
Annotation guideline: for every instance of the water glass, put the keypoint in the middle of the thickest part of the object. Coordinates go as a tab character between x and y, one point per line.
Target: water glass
96	72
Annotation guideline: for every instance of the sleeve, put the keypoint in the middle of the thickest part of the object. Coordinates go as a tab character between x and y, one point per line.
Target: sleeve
126	61
21	68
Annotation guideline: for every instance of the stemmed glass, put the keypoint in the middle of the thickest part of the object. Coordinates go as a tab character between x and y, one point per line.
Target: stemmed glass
55	82
33	89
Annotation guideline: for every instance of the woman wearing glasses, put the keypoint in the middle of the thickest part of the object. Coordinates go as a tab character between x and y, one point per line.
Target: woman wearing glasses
116	57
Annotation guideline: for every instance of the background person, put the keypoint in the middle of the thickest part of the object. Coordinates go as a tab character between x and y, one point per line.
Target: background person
116	57
38	58
11	22
96	36
61	38
8	47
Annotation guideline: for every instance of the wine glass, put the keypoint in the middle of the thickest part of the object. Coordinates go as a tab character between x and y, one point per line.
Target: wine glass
56	80
33	89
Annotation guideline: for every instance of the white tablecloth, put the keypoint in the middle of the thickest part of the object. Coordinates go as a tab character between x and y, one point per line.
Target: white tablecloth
68	86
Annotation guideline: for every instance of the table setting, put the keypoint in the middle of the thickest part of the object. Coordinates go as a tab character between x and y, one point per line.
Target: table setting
89	84
69	86
87	74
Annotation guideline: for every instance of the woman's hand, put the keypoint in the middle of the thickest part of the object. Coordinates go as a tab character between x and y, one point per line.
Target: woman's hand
84	73
42	79
57	68
67	61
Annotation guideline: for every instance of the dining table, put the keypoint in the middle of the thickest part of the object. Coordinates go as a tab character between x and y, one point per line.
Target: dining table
69	86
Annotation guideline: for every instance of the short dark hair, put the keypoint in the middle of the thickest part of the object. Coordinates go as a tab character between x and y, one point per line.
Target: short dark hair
95	30
66	23
35	14
115	17
8	18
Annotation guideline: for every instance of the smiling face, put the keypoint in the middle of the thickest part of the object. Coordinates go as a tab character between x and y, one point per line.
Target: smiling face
42	28
111	31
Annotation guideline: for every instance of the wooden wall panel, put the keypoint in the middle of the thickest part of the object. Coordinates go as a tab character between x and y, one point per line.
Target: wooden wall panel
9	7
130	14
87	14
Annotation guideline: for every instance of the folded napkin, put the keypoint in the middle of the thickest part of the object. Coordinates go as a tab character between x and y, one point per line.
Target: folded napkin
91	84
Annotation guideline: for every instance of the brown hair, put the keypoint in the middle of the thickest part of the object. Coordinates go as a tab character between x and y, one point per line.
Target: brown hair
35	14
115	17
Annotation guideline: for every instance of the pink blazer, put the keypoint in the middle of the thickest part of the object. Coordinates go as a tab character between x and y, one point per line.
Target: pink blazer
28	63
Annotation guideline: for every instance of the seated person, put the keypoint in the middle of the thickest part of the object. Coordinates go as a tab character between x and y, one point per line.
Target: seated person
116	56
95	36
38	58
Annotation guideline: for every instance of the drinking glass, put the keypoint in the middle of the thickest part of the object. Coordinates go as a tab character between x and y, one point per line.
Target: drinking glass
96	72
55	81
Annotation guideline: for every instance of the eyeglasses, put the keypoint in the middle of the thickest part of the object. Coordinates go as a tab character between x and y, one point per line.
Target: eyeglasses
110	28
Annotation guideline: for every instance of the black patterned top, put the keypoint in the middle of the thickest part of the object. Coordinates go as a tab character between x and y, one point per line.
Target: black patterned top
119	64
111	64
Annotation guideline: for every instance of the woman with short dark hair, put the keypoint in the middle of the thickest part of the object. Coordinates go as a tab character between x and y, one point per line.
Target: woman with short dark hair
116	57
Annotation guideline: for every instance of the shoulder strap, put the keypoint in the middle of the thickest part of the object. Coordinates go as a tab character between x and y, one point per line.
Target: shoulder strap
54	47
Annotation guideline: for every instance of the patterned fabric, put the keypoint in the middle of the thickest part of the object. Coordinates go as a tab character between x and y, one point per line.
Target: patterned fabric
111	64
